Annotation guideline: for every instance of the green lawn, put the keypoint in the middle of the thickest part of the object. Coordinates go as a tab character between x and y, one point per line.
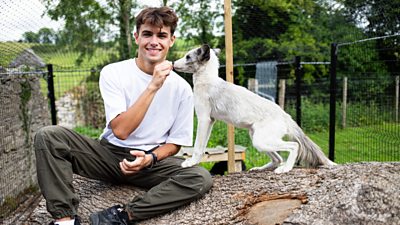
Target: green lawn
10	50
368	143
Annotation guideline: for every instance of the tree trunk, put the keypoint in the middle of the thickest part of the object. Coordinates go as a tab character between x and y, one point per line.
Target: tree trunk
94	196
125	39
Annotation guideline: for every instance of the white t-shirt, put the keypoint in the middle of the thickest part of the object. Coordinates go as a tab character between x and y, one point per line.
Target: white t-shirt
169	118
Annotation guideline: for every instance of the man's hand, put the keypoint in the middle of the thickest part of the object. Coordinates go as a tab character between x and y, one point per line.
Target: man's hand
132	167
160	73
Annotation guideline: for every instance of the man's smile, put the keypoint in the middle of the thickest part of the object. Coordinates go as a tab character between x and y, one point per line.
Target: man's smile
153	51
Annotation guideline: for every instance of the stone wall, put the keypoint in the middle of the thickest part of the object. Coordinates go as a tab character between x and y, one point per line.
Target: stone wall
81	106
67	108
24	110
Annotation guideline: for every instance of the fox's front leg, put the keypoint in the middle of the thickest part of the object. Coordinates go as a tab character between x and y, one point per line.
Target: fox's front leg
204	127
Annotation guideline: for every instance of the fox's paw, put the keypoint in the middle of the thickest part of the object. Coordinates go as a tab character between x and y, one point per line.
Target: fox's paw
283	169
268	166
189	162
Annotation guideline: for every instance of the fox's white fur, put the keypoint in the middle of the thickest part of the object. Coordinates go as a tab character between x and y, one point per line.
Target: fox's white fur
216	99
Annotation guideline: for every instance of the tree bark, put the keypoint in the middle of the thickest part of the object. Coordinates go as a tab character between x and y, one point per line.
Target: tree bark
94	196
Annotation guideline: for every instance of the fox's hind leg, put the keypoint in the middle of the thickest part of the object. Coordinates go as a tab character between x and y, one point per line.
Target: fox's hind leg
276	160
293	149
274	146
268	138
260	144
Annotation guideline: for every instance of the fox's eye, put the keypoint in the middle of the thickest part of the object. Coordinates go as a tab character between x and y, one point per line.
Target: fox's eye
188	57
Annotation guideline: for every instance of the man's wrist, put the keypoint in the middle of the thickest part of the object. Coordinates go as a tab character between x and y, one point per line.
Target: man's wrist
154	159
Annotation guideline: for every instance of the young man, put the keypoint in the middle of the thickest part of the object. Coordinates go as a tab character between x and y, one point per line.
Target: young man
149	116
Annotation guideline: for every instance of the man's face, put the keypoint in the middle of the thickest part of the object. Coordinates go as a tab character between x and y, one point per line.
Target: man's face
153	43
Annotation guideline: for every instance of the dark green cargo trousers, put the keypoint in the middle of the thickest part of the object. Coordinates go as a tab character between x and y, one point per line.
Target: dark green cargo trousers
60	152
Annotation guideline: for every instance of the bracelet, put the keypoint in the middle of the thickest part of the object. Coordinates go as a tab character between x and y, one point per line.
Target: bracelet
154	161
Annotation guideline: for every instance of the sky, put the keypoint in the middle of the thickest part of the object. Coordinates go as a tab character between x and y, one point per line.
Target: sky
20	16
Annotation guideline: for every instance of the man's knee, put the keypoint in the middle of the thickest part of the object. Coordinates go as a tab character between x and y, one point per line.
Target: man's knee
44	135
204	180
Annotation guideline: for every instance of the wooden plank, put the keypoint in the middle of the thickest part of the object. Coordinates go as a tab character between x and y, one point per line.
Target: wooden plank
216	154
217	150
221	157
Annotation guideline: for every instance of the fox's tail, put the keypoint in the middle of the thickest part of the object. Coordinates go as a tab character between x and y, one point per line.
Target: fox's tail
309	153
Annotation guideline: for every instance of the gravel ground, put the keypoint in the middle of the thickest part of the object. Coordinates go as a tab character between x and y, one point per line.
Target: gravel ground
360	193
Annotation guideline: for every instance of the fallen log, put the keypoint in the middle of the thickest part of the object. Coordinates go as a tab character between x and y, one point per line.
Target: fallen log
358	193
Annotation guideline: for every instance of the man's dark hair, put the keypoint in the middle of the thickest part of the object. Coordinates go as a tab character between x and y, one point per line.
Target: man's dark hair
162	16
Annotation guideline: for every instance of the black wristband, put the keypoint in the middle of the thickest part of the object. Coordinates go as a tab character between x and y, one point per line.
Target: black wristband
154	156
155	160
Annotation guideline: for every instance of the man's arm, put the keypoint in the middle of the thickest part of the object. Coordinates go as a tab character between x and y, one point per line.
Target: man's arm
166	150
127	122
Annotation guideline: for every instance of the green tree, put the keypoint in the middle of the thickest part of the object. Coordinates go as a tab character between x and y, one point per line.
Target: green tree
88	22
46	35
122	14
280	30
379	18
30	37
277	30
199	20
273	29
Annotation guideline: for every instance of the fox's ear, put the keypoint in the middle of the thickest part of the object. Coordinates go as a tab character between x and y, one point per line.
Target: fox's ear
204	53
217	51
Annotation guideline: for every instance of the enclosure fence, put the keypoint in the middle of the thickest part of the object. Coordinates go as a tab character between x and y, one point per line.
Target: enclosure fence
368	101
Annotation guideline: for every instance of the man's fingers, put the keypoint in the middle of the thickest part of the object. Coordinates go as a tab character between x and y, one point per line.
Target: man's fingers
137	153
160	74
165	66
128	170
124	169
132	167
132	164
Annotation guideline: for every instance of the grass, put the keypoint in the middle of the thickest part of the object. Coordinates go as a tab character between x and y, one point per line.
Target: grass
367	143
10	50
67	59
